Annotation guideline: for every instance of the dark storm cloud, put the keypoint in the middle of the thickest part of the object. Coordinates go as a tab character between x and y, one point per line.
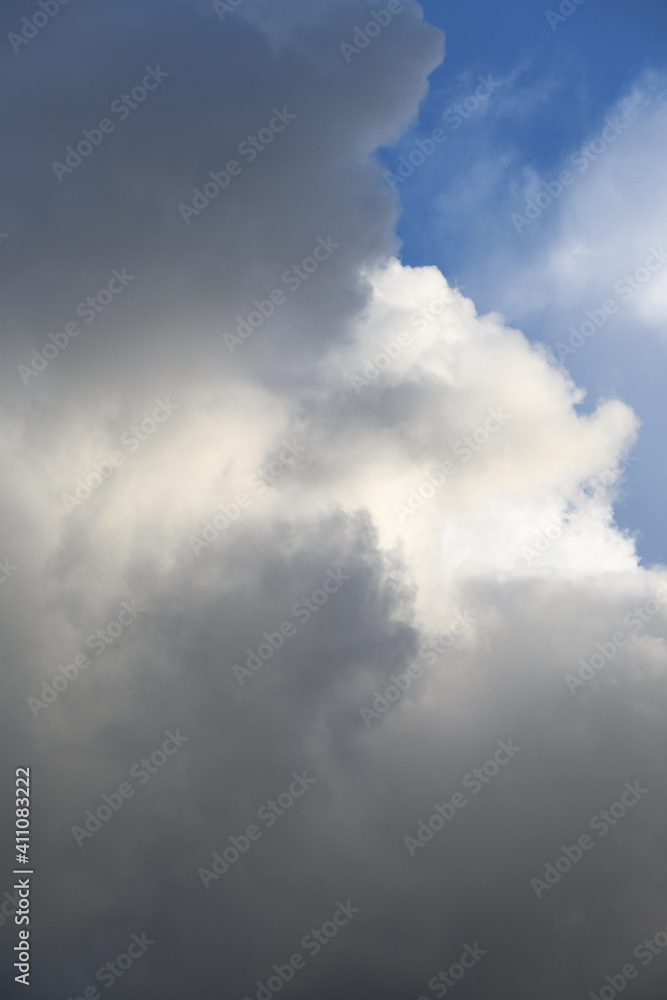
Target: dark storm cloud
119	207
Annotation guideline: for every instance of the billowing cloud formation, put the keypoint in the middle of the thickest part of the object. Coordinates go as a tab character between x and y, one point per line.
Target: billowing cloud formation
607	223
319	605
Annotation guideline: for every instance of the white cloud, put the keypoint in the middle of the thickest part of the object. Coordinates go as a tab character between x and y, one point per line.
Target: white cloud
607	221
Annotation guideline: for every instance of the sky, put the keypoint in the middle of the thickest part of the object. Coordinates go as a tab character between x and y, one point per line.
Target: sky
562	75
332	566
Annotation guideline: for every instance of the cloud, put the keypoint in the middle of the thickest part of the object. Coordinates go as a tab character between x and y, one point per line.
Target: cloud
417	490
571	241
612	217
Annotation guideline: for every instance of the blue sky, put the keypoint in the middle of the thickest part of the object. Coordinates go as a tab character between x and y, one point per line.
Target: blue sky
558	88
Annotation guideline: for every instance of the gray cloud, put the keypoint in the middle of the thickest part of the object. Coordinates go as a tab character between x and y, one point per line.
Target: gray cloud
328	516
